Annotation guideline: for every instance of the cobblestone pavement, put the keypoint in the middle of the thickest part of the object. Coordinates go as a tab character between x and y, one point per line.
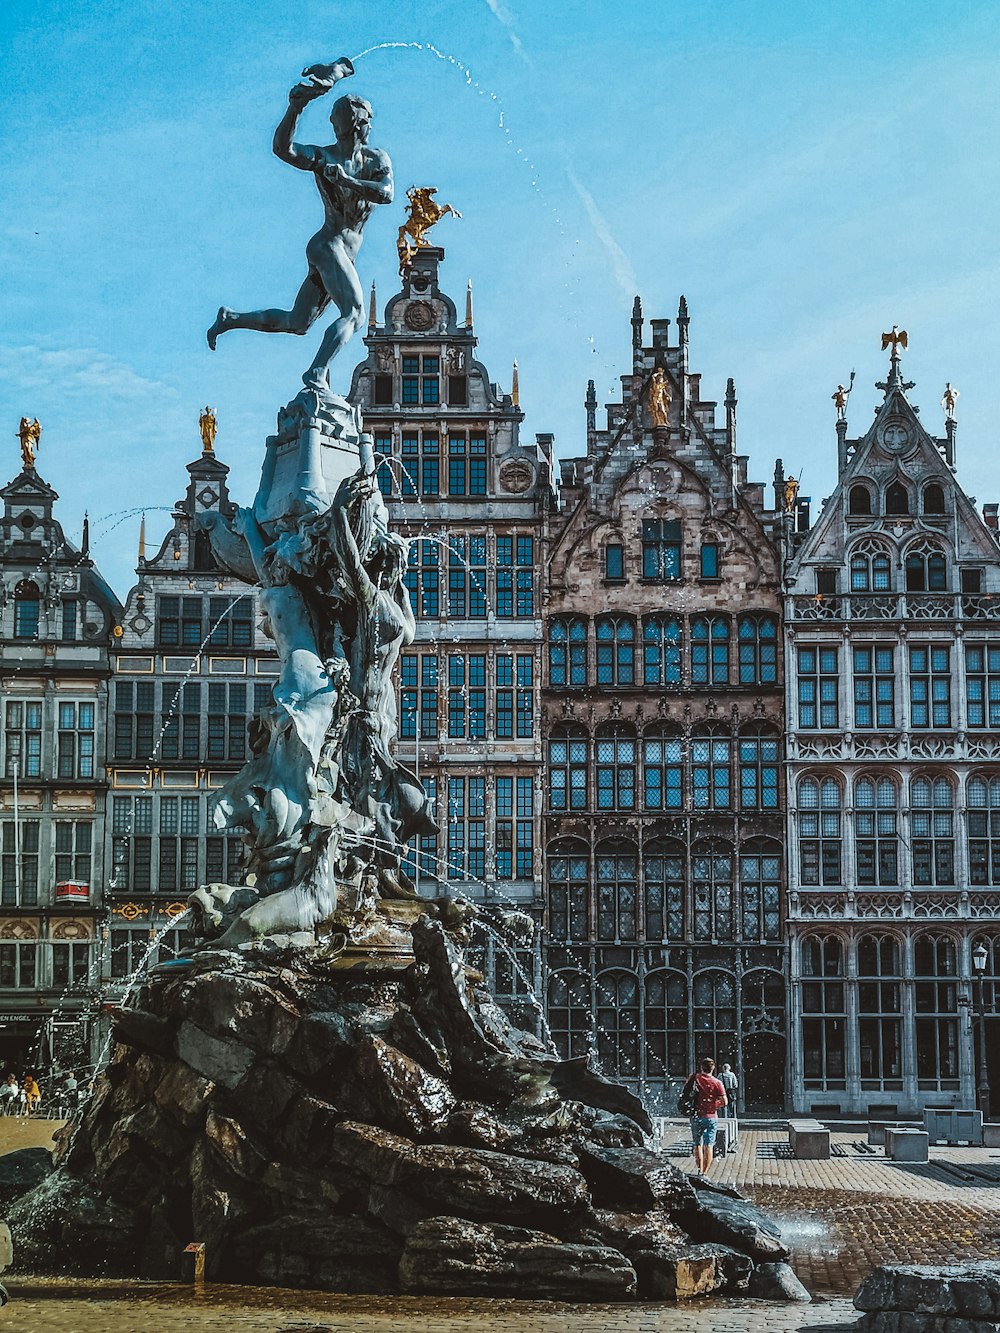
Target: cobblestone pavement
43	1306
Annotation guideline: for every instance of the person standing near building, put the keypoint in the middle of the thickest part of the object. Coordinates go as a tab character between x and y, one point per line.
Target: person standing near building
710	1096
731	1084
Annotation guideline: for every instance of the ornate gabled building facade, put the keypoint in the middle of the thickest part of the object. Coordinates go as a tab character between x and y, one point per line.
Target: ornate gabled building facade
56	618
663	721
471	496
190	668
893	671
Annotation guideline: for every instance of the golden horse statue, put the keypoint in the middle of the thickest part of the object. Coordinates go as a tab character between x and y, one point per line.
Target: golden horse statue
421	214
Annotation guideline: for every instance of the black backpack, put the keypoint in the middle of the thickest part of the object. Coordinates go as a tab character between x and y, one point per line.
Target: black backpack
687	1102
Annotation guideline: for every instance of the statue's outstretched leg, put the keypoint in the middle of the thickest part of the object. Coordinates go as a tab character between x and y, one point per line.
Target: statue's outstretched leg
309	304
340	279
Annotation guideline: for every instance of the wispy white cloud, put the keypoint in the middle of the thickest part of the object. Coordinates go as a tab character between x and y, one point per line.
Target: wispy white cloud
504	17
75	368
621	265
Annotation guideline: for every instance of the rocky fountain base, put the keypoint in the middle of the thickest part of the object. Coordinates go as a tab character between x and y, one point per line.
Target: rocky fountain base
373	1124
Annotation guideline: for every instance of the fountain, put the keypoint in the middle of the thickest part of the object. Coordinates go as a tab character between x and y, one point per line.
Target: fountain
323	1093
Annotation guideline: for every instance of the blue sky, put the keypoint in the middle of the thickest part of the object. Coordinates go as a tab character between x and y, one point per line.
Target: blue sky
807	175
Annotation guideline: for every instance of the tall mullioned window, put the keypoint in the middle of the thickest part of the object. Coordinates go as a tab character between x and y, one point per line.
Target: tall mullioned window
711	769
662	639
982	684
935	964
27	610
467	696
230	622
617	884
132	843
515	577
23	733
19	863
467	578
758	753
227	721
874	687
820	832
568	865
983	816
760	891
180	826
180	621
423	578
514	828
818	684
418	701
876	833
421	458
709	650
615	650
714	897
824	1012
466	464
615	756
568	766
757	640
466	828
879	1008
661	549
663	882
180	737
930	685
567	651
662	768
421	383
74	846
932	831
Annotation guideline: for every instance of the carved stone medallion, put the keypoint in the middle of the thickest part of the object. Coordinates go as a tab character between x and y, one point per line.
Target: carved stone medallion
419	316
516	477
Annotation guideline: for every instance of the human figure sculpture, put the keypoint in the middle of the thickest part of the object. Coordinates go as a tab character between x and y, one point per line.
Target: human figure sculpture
840	397
30	435
950	401
659	397
421	214
207	424
351	178
791	494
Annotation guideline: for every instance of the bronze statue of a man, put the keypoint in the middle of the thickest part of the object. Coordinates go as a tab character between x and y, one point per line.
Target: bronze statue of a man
352	178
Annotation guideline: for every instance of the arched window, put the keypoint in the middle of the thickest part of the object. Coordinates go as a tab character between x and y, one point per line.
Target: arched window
879	1007
618	1024
714	897
758	649
932	831
760	890
711	769
933	498
876	831
617	892
983	801
710	650
615	754
820	834
897	499
758	755
570	1013
926	568
569	892
823	1011
661	650
871	568
666	1024
662	768
567	651
935	964
714	1017
27	607
663	881
860	501
763	991
615	650
568	756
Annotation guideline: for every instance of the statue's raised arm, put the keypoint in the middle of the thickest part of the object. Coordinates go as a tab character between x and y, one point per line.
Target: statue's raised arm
352	179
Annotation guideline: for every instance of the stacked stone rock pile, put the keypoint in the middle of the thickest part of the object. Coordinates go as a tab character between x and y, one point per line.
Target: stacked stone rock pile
375	1131
915	1298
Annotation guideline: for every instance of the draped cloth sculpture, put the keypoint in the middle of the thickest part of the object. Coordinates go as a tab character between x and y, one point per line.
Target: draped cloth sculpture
322	804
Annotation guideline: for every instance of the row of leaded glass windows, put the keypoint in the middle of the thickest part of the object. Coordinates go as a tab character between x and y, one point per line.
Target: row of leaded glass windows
621	658
929	684
670	900
74	750
513	582
659	770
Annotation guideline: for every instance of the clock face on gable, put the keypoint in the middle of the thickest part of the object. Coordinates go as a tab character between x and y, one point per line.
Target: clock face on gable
896	437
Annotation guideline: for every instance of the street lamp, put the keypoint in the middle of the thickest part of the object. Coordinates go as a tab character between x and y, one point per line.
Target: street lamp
979	957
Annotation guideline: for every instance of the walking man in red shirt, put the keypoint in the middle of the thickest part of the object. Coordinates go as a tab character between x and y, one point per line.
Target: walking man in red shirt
710	1096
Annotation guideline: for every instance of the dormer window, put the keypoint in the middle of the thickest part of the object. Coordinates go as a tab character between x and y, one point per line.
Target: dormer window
860	500
421	381
933	499
27	609
897	499
661	549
